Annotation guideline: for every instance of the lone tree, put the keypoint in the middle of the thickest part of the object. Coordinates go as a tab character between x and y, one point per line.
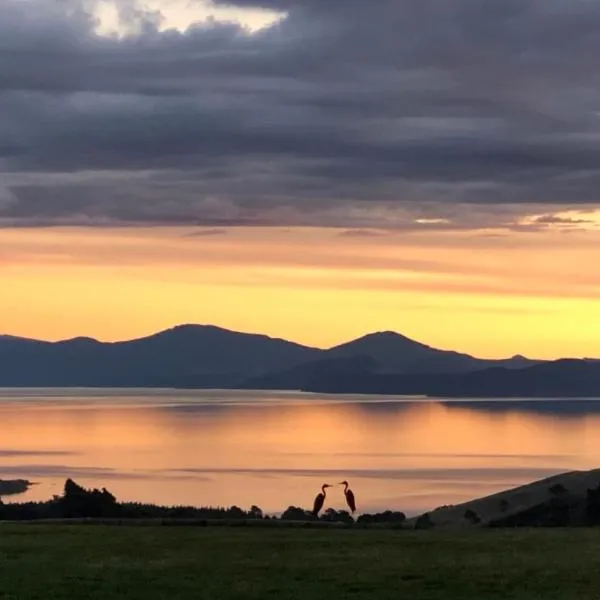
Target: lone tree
79	502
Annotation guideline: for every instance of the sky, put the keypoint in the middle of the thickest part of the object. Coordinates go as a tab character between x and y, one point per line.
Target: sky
306	169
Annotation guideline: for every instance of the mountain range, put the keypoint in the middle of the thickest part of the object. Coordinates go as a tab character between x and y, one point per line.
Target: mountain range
205	356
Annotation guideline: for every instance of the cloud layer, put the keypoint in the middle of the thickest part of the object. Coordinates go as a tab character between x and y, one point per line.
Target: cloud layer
355	114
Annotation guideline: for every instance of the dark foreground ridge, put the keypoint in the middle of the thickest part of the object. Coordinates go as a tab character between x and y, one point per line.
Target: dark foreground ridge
567	500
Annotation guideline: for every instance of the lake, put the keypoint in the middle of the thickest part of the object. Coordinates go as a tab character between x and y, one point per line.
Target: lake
276	449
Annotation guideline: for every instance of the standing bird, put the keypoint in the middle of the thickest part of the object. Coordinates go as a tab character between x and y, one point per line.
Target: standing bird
319	500
349	497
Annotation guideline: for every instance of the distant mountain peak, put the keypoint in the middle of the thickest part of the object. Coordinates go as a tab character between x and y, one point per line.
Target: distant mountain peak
392	351
186	329
191	327
184	326
389	335
80	340
17	339
384	339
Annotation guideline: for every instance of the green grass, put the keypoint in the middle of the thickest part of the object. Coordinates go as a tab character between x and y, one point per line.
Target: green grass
53	562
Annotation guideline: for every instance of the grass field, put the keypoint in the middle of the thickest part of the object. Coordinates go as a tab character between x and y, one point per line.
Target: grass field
55	562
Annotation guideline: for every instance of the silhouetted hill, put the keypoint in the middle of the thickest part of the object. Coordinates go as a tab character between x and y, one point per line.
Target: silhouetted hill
392	351
562	378
326	372
187	355
374	362
396	353
202	356
567	499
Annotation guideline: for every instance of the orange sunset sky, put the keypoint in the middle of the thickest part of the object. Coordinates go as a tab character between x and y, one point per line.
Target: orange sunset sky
488	294
296	173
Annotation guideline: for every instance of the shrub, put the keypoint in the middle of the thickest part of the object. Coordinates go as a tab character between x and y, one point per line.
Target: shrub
424	522
387	516
557	489
294	513
334	516
472	516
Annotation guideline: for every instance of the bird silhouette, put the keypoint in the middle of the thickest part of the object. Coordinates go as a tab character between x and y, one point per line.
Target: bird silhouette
349	496
320	500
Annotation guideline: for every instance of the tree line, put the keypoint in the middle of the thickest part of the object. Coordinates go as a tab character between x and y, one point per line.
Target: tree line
79	502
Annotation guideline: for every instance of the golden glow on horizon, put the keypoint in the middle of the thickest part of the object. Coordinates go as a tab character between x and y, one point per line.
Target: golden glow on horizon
489	296
576	218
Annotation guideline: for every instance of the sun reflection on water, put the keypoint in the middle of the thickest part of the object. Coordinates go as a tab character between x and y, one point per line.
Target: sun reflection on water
217	448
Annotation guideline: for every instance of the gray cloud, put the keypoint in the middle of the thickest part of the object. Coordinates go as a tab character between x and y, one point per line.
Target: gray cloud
361	233
208	232
350	114
555	219
19	453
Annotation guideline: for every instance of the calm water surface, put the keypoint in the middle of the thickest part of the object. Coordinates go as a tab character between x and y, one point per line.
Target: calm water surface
276	449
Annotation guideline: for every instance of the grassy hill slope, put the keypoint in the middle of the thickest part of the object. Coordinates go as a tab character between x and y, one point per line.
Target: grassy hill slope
565	489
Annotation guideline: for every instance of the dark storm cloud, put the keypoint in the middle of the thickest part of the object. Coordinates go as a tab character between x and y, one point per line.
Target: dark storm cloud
354	113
